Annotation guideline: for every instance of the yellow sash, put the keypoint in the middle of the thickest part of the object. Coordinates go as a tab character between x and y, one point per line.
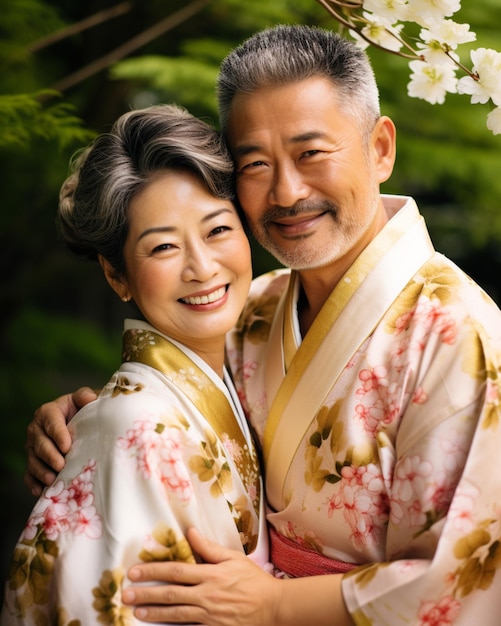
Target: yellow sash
298	388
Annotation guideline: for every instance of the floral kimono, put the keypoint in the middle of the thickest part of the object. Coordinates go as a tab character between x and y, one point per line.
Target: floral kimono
163	448
381	430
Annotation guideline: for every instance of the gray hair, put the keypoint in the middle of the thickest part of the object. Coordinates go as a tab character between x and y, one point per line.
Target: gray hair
93	207
286	54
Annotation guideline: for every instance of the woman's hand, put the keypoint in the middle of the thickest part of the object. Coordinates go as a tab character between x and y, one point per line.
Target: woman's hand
48	438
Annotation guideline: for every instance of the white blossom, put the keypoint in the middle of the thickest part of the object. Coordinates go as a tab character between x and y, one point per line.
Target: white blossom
431	82
436	53
448	33
487	64
494	121
430	12
381	32
435	60
392	10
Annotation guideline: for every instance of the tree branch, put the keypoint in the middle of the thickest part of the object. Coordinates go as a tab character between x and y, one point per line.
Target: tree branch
133	44
73	29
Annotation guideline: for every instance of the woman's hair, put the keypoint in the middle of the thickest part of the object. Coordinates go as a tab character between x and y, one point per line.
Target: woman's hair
94	200
286	54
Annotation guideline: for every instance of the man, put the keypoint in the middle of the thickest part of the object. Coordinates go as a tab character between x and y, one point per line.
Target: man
370	373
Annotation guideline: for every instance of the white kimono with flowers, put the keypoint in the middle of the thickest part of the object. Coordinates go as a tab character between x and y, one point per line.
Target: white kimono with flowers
381	429
164	447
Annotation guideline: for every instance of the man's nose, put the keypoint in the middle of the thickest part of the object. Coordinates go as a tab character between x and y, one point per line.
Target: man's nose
288	186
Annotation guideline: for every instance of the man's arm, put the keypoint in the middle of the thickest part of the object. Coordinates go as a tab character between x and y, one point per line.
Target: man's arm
228	589
48	438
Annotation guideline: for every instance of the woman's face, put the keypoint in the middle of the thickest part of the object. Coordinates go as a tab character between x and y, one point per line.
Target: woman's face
188	261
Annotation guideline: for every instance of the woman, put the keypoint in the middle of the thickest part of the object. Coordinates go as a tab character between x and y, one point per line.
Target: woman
165	446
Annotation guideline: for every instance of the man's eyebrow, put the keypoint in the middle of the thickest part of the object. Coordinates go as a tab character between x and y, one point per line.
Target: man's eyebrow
308	136
244	149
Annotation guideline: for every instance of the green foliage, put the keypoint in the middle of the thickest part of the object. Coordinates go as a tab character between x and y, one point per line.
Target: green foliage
43	354
24	117
182	80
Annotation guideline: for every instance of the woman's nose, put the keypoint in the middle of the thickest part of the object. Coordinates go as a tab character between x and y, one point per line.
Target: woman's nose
200	263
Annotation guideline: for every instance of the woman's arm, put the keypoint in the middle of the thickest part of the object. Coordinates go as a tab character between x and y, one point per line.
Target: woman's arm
230	590
48	438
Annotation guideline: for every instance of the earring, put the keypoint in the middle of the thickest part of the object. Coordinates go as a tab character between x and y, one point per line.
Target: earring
125	298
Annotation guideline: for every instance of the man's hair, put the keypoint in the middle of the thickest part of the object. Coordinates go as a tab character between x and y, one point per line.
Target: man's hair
286	54
94	200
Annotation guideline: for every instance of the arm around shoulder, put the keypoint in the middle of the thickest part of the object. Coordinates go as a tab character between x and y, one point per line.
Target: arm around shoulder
48	438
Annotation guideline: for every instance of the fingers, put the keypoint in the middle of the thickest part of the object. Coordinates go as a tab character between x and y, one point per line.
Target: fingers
42	441
48	438
168	572
83	396
209	551
165	604
37	475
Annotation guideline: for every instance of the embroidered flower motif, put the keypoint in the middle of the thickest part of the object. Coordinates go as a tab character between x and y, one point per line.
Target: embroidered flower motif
107	600
462	509
120	384
69	509
441	613
164	545
138	340
158	448
60	510
410	480
361	497
189	374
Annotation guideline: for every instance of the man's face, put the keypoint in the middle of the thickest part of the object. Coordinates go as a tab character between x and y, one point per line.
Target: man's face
307	178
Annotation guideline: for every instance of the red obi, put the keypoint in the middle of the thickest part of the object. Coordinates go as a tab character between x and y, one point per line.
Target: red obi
297	560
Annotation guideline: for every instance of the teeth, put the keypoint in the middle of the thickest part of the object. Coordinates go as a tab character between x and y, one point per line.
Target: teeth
211	297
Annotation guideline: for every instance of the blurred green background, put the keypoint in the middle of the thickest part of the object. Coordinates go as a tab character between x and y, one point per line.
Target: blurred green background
70	68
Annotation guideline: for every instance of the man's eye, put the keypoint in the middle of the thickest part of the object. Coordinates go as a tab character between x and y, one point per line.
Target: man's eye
254	164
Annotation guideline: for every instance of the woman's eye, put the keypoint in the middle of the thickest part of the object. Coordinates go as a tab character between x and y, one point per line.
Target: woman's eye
219	229
162	247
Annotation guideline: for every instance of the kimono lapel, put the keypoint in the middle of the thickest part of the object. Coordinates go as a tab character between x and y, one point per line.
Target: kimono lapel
348	317
142	345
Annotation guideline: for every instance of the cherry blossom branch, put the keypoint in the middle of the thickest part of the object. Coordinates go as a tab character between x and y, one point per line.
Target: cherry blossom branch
433	60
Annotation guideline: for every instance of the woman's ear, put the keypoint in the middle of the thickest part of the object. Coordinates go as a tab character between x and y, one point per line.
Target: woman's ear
383	143
115	280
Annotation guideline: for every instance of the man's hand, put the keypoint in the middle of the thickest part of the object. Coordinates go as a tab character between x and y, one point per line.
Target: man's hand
227	590
48	438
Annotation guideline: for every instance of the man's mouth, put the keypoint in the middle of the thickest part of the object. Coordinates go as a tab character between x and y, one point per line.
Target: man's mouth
299	225
206	298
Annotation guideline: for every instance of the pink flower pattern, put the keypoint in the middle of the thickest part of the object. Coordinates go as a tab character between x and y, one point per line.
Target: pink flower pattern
159	451
409	483
66	510
442	613
362	499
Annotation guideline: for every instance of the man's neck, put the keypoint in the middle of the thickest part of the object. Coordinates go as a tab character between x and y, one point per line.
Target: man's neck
317	284
314	291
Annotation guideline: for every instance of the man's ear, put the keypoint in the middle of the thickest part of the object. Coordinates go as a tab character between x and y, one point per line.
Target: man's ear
383	143
115	280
